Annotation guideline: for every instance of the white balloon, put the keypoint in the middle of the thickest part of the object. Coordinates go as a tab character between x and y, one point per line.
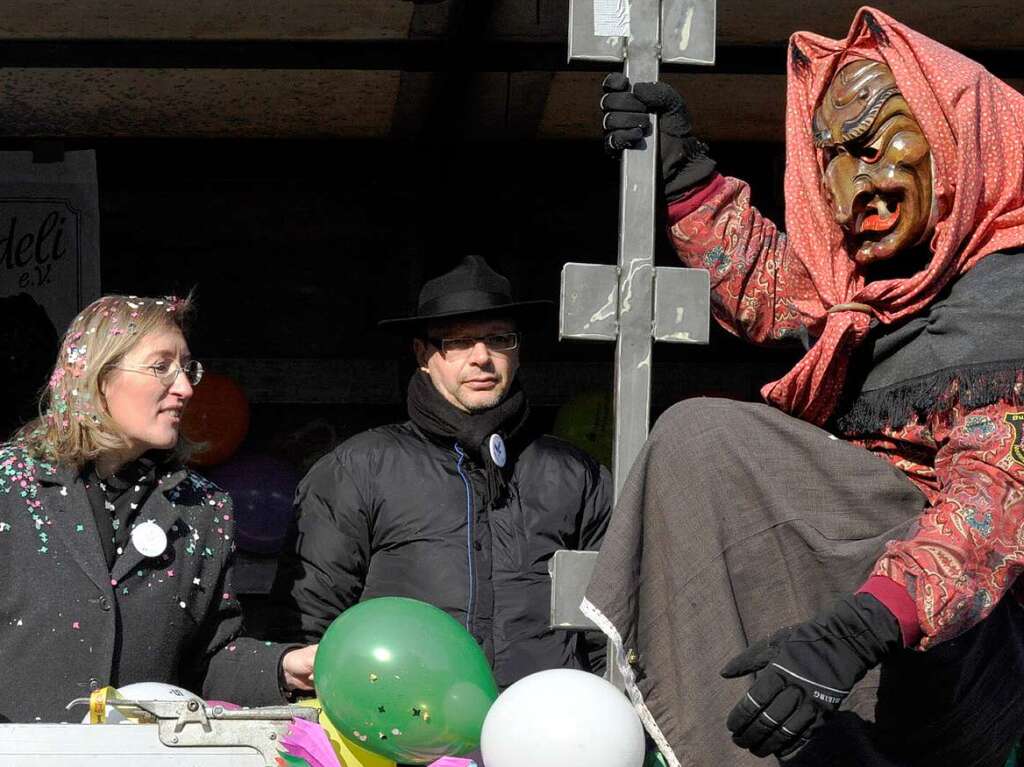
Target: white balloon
560	718
145	691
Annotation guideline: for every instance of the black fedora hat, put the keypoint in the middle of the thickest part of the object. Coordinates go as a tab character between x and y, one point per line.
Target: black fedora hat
471	289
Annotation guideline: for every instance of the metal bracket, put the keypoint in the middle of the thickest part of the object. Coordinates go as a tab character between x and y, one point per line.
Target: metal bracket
598	30
570	573
191	724
589	306
257	728
682	305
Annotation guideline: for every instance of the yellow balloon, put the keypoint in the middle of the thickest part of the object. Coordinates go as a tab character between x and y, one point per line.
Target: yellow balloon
350	754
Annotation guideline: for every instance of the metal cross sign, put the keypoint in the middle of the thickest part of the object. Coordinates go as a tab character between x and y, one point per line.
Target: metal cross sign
634	303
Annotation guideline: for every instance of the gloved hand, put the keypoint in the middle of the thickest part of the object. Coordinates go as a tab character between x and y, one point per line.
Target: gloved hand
685	162
806	671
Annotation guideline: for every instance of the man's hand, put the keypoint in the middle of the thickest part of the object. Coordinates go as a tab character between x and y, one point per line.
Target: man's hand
806	671
685	162
297	668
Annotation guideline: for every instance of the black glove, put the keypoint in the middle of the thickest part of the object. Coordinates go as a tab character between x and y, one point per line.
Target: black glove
684	158
806	671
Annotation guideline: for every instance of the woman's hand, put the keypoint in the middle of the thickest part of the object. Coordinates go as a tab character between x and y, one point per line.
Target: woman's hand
297	667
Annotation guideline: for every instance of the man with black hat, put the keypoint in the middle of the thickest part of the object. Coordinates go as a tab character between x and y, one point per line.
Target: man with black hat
459	506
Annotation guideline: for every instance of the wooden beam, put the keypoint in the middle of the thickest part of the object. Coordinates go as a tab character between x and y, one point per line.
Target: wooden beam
504	105
222	103
205	20
356	104
958	23
725	107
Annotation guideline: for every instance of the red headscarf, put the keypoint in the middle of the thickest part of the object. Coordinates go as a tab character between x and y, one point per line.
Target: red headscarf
975	125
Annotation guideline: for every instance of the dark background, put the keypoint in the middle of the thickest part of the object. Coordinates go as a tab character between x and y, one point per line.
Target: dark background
295	249
304	167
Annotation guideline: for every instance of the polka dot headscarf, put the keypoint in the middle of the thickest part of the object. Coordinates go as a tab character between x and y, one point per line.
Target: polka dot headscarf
975	125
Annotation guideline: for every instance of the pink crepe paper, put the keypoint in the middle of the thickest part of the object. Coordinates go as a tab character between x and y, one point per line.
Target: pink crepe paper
308	741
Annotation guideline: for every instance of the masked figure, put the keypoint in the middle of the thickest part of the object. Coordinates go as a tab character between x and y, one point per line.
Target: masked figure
901	271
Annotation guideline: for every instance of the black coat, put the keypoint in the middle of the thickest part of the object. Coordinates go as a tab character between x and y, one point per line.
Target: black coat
69	625
391	512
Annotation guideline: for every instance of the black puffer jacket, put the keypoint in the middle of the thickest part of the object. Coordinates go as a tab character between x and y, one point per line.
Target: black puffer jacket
395	512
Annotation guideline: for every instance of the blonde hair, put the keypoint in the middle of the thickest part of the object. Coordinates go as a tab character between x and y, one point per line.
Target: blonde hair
74	426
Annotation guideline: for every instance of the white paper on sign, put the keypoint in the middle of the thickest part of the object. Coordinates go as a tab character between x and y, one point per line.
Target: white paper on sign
611	18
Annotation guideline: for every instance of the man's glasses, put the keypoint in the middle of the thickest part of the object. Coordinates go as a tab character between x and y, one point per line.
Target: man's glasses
167	372
498	342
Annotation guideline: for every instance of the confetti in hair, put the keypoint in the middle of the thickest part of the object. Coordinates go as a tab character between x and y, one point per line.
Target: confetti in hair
74	425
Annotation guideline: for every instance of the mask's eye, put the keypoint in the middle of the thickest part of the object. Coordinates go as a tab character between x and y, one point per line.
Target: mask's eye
869	154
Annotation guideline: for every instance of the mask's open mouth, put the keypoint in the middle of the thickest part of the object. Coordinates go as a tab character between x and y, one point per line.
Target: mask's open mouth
878	216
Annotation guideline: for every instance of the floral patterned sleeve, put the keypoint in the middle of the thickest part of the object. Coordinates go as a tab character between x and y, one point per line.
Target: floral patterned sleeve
968	547
760	289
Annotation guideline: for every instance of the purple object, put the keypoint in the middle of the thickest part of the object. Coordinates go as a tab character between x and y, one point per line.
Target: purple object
262	489
453	761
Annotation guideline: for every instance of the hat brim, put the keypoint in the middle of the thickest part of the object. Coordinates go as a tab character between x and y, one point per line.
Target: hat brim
522	311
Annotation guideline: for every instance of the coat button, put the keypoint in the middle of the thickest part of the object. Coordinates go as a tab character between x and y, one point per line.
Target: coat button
94	684
477	546
105	604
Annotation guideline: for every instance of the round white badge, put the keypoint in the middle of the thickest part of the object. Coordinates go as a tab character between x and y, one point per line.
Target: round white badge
149	539
497	447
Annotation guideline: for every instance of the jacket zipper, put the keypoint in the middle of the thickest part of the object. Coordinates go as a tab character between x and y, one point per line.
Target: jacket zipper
469	536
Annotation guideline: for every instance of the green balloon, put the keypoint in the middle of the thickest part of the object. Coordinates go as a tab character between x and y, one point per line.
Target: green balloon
405	680
655	759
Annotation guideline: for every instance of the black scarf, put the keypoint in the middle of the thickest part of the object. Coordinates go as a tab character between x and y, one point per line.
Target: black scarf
116	500
971	336
436	416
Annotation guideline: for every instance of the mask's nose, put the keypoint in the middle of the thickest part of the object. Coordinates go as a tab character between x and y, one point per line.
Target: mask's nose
847	179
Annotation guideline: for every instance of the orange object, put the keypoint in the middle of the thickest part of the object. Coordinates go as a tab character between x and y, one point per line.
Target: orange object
217	418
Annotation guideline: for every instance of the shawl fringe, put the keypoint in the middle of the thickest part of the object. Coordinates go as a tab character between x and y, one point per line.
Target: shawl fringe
937	393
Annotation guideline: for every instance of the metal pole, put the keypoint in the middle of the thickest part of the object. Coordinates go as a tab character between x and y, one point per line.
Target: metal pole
636	257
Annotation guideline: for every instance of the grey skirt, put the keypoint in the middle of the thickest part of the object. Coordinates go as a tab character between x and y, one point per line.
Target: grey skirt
735	521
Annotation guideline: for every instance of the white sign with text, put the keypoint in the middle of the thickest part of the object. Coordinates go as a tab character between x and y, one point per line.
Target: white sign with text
49	232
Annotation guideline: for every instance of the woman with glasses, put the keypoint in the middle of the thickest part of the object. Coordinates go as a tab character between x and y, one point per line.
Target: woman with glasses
114	557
